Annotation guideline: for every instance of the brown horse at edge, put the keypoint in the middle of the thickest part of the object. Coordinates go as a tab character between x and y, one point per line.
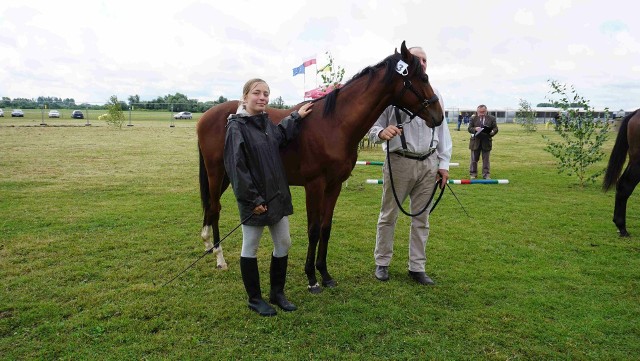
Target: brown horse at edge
325	152
627	142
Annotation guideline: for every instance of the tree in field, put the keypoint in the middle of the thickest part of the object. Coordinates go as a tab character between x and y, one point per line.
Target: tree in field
526	117
581	135
134	99
115	116
278	103
221	100
331	75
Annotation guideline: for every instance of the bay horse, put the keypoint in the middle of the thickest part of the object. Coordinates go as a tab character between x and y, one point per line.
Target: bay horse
627	142
325	152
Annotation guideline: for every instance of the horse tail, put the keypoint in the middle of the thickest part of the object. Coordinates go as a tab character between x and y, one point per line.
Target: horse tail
205	195
618	156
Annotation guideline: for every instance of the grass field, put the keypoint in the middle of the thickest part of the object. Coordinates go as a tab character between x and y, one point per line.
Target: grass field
93	220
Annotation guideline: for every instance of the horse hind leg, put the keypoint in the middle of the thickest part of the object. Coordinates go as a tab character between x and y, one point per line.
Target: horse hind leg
209	236
210	230
626	184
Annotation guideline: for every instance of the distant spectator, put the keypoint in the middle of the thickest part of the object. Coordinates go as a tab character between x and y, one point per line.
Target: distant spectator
482	128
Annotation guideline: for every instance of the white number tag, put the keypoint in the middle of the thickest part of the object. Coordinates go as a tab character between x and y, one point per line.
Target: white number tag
402	68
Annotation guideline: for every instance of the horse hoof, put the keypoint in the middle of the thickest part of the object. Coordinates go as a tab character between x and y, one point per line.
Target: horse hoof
222	267
315	289
624	233
330	283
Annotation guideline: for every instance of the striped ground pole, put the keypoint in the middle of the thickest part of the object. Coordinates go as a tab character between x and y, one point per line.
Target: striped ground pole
457	181
364	162
478	181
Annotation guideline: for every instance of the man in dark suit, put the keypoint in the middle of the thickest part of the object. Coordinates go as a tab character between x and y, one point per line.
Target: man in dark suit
482	128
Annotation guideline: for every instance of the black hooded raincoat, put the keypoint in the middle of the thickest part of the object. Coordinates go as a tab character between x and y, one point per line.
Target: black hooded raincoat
253	164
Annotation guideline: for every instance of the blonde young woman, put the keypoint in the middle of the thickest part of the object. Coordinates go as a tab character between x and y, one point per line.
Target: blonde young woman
256	172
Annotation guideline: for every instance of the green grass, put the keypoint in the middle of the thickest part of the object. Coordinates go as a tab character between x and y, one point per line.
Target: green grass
93	220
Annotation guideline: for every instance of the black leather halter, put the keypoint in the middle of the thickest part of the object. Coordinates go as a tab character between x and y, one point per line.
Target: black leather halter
402	68
425	103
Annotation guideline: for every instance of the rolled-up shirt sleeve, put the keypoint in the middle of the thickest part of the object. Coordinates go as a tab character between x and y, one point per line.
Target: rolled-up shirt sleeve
384	120
445	146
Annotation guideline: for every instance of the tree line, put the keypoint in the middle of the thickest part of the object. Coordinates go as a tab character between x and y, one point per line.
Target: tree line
172	102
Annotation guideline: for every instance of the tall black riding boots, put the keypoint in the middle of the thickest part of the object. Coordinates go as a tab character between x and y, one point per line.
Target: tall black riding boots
251	279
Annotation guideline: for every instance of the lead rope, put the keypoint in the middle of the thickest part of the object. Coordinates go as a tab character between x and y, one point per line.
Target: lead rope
395	195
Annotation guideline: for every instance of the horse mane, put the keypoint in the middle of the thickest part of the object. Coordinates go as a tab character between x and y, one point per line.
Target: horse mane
388	63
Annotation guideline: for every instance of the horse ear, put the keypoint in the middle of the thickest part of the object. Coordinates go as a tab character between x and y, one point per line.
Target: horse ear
403	49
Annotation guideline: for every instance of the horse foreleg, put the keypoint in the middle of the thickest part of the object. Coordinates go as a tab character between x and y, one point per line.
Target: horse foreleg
331	197
314	192
626	184
321	261
309	270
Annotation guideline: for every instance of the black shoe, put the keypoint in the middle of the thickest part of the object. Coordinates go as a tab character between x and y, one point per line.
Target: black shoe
421	278
264	309
382	273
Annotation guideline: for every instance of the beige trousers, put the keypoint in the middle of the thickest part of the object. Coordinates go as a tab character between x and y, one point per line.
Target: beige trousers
414	179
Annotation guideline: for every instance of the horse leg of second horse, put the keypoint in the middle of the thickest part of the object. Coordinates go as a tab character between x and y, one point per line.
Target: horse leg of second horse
626	184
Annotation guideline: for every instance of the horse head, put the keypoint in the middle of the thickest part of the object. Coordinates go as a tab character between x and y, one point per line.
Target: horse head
412	90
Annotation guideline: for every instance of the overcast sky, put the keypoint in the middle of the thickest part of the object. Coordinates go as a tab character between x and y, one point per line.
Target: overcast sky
491	52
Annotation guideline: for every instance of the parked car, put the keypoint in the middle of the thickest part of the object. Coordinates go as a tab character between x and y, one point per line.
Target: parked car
54	114
17	113
183	115
77	114
1	113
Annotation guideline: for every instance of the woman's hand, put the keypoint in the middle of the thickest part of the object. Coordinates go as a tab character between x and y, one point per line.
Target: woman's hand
305	109
260	209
